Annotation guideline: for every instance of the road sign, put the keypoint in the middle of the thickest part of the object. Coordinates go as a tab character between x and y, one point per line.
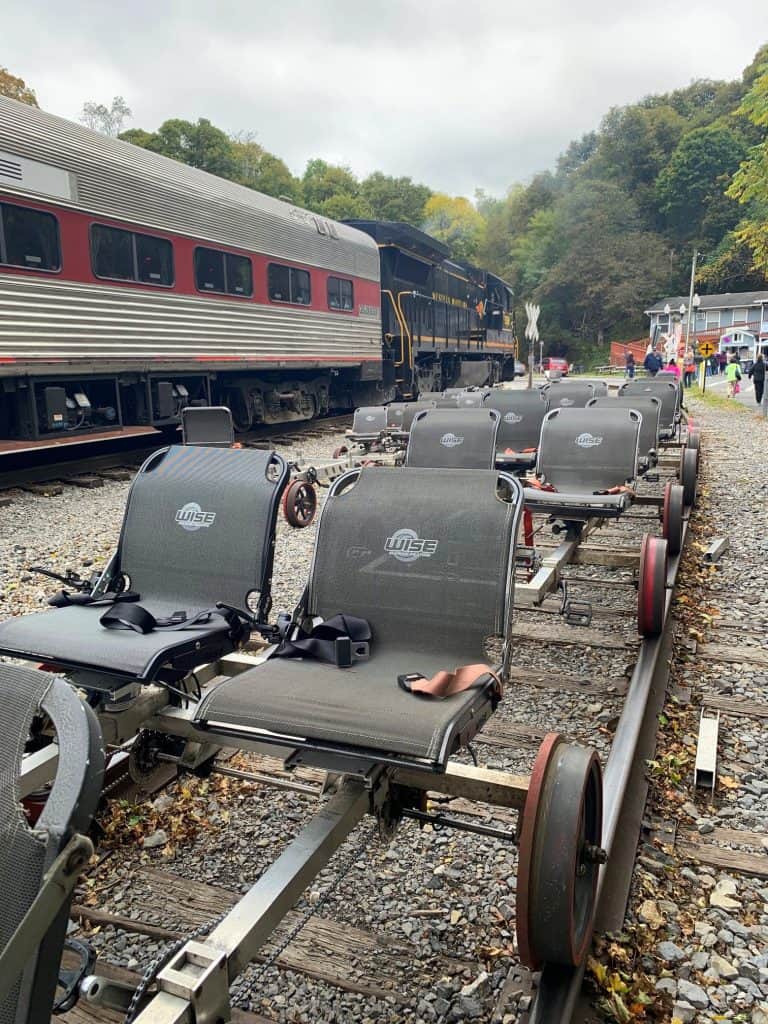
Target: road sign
531	329
707	348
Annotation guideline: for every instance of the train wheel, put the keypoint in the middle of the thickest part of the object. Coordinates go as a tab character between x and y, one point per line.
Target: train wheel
560	855
689	469
693	441
299	503
672	518
652	589
339	452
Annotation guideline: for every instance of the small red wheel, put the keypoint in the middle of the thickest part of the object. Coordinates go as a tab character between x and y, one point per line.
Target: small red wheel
560	855
339	452
299	503
652	586
689	469
672	517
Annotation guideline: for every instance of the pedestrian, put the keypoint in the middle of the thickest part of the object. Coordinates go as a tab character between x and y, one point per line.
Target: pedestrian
757	373
722	360
733	376
672	367
629	370
689	368
652	363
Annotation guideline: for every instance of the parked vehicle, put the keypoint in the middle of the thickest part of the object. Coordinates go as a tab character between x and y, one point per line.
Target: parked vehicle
555	363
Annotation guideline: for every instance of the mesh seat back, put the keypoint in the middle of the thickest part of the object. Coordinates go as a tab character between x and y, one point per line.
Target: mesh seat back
453	438
424	554
649	408
369	419
470	399
600	387
26	853
395	413
411	410
447	402
199	526
665	390
570	394
211	425
522	413
589	450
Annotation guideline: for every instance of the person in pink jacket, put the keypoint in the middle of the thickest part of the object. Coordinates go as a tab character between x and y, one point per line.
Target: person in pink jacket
672	367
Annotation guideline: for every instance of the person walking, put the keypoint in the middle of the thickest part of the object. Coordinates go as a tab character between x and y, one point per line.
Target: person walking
689	368
652	363
722	360
672	367
629	370
757	373
733	376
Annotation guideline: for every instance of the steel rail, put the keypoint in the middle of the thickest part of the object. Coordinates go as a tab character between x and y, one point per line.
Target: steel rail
559	988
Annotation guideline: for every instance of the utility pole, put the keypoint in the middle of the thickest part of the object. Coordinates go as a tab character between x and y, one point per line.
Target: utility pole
691	310
532	334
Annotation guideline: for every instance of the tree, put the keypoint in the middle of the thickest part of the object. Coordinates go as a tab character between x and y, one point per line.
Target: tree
455	221
200	144
750	183
258	169
322	181
689	190
399	199
107	120
16	88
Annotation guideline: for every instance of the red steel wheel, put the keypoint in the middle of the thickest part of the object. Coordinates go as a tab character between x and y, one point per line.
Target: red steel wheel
689	470
339	452
559	857
299	503
652	586
672	518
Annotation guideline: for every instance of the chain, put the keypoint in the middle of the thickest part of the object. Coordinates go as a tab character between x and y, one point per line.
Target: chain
345	866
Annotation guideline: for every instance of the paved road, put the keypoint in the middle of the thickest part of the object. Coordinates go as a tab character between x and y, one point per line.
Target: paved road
717	385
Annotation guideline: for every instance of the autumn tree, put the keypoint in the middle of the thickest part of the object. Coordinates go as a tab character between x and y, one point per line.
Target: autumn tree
750	183
16	88
259	169
455	221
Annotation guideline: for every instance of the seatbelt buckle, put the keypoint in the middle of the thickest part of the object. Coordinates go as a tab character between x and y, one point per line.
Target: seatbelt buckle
348	651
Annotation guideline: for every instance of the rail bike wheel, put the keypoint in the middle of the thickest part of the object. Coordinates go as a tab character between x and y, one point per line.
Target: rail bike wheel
652	586
689	471
672	517
560	854
299	503
338	452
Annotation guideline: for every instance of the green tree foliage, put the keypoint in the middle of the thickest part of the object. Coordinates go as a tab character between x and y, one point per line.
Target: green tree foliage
399	199
750	183
200	145
256	168
455	221
16	88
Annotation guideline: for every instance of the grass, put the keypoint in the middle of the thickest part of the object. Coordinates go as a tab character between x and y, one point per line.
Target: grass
721	402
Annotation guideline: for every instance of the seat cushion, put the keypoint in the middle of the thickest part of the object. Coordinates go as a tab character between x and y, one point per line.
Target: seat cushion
361	707
73	637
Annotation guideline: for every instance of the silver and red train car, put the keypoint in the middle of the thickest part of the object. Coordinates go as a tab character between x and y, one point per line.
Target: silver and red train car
132	285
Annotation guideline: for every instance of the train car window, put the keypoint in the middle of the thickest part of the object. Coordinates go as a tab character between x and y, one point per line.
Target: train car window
29	238
340	294
288	284
209	270
112	253
154	260
239	275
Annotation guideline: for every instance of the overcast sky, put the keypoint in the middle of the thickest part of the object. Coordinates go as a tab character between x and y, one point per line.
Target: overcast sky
459	94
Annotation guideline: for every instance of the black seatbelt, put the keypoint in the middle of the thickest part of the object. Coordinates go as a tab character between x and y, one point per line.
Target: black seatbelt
123	615
63	599
340	640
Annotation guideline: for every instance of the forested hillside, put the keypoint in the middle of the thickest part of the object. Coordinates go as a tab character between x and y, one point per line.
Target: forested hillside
611	228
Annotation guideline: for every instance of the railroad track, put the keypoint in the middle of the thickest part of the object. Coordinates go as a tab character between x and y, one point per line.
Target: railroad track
323	949
43	470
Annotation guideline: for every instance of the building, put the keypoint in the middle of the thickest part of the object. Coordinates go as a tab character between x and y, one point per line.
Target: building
715	317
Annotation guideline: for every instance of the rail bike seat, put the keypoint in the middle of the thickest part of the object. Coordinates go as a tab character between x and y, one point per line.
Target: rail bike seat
453	438
470	399
600	387
668	394
426	556
587	463
207	424
40	863
198	529
522	413
368	423
649	408
410	410
570	394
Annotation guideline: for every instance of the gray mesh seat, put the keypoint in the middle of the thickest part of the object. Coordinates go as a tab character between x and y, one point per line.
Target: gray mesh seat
585	454
453	438
368	423
470	399
199	528
411	411
395	413
600	387
668	394
649	408
26	853
522	413
210	424
570	394
426	556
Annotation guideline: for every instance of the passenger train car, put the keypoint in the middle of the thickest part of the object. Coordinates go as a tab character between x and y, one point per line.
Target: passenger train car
132	286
